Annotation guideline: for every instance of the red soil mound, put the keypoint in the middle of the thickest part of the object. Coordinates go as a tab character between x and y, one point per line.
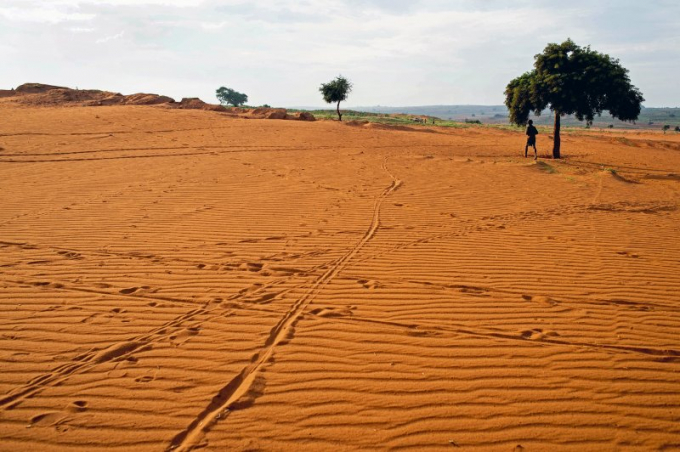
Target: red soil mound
36	88
147	99
267	113
194	103
304	116
38	95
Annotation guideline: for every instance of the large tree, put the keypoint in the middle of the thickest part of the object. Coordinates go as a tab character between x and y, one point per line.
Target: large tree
336	91
573	80
228	96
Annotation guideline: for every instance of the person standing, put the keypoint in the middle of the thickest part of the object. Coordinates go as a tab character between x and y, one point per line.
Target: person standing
531	141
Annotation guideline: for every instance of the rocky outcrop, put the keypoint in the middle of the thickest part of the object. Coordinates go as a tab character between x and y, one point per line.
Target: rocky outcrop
36	88
38	94
194	103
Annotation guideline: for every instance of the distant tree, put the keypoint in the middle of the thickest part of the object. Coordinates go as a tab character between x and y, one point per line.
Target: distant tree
336	91
573	80
665	128
611	126
228	96
677	128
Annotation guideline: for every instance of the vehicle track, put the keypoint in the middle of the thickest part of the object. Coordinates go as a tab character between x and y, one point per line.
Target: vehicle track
220	405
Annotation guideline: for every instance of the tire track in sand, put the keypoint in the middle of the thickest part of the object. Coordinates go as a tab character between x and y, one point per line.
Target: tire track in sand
239	386
120	351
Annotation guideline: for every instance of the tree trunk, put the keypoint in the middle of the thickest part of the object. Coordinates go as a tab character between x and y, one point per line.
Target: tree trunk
339	114
556	133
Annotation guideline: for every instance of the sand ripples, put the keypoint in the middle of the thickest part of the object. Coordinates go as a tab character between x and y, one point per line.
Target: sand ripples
263	285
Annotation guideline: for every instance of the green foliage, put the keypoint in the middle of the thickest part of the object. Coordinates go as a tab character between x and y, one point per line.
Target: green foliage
228	96
569	79
472	121
381	118
677	128
665	128
336	90
573	80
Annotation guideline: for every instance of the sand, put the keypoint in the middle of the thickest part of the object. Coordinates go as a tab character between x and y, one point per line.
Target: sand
178	279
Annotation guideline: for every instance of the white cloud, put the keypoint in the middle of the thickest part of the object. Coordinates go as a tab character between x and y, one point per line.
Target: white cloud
170	3
213	25
278	51
81	30
110	38
43	14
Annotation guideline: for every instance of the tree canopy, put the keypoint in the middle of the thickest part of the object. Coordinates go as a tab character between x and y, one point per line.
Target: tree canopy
336	90
228	96
573	80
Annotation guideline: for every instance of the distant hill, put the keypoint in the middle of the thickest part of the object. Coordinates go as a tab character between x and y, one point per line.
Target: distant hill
650	118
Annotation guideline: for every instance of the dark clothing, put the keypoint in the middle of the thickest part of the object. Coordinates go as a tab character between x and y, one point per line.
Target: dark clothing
531	133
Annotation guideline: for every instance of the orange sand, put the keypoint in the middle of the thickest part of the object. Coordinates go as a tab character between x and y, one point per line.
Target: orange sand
175	279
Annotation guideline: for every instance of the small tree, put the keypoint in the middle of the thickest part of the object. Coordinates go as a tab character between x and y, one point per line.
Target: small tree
573	80
228	96
665	128
677	128
336	91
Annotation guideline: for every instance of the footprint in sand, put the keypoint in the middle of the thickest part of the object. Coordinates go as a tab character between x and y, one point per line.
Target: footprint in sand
129	290
101	285
183	336
263	299
541	300
537	334
92	318
369	284
50	419
77	406
145	379
333	312
71	255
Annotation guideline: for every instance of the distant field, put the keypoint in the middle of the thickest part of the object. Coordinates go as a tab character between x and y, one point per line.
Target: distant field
382	118
544	122
650	118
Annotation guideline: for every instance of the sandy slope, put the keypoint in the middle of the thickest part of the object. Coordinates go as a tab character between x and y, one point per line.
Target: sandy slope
175	279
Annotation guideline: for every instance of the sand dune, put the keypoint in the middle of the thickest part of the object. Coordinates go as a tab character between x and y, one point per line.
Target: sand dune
179	279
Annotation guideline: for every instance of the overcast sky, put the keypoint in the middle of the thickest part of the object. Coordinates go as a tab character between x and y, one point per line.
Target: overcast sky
396	52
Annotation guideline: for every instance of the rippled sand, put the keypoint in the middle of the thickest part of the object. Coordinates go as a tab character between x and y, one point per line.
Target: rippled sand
177	279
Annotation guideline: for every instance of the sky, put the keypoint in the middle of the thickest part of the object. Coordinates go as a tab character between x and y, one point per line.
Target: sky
395	52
